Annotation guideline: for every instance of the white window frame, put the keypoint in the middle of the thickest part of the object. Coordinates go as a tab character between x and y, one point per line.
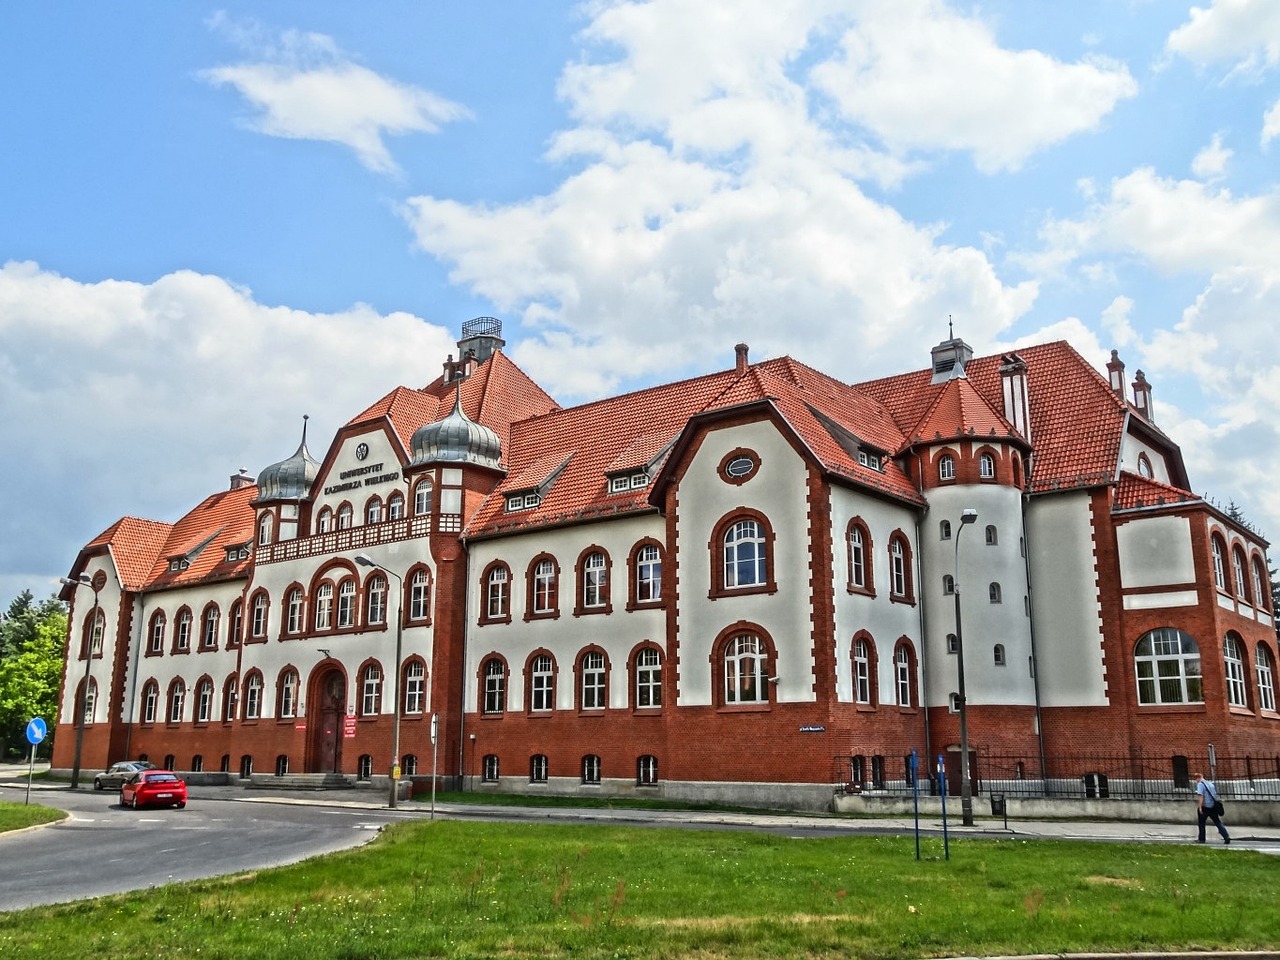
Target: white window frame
648	678
593	680
415	688
744	676
542	684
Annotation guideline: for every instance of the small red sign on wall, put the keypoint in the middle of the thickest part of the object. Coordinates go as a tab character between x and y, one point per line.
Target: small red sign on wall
349	727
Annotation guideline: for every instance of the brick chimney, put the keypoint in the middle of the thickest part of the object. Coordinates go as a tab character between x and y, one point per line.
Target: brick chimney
241	479
741	351
1115	374
1142	397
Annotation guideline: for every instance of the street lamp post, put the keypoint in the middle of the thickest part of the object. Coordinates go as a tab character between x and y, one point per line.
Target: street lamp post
95	584
366	561
967	516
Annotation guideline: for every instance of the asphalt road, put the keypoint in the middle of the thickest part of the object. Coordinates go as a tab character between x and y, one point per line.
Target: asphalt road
103	848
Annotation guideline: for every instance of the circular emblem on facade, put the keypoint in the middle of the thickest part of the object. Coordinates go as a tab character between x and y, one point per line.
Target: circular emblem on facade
362	451
739	466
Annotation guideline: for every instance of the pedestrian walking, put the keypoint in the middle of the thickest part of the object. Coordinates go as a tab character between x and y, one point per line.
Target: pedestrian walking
1209	807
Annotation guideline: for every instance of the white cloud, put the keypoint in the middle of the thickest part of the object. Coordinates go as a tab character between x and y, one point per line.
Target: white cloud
1211	162
922	77
1245	33
305	89
1271	124
142	399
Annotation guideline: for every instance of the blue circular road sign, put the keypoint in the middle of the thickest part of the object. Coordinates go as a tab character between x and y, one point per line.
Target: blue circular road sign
36	731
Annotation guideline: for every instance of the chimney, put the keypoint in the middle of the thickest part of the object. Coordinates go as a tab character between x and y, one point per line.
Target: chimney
1115	374
949	360
741	365
1017	399
241	479
450	368
1142	397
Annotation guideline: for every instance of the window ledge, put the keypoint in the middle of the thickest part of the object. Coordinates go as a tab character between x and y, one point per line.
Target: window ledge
1152	708
744	708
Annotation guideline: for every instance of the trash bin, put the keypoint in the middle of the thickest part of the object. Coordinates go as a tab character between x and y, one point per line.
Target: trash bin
997	805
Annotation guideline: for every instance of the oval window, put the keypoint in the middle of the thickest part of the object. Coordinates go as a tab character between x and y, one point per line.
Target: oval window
739	467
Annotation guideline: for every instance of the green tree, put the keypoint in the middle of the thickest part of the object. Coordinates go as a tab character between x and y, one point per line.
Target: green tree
31	645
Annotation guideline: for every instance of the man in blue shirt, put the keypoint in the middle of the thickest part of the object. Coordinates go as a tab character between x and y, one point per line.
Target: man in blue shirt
1206	808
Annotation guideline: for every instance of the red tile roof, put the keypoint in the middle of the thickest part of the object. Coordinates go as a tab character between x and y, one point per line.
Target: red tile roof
222	520
1135	492
134	544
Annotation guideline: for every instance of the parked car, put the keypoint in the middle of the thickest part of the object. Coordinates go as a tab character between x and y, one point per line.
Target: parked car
159	787
115	775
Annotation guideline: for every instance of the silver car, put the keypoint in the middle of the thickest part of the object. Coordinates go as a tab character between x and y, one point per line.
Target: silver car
118	773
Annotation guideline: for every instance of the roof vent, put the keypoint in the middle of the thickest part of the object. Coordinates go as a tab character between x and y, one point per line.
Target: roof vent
949	360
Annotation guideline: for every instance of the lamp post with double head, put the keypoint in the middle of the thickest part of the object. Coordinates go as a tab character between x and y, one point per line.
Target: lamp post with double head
967	516
94	583
366	561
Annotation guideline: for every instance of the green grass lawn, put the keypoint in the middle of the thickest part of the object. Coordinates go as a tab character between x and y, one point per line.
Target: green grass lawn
483	890
15	816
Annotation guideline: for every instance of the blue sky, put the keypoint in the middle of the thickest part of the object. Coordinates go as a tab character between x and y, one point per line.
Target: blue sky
215	219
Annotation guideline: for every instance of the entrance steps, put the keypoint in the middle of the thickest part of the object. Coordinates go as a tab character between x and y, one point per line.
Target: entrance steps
300	781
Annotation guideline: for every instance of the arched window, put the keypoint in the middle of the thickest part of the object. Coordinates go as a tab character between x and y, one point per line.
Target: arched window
177	701
264	529
261	613
860	573
542	683
1144	466
236	630
294	611
230	694
948	584
373	510
646	770
182	631
157	634
494	693
497	593
591	768
376	600
324	521
345	517
744	555
591	673
364	767
997	655
347	603
415	687
1237	568
371	691
993	535
88	700
904	665
395	506
593	580
1167	664
946	467
944	530
253	696
648	675
1266	669
1233	661
646	564
420	595
288	705
324	606
204	701
1261	586
209	627
422	498
409	765
993	592
953	643
538	768
987	466
863	671
544	597
491	768
745	679
150	701
1219	562
900	569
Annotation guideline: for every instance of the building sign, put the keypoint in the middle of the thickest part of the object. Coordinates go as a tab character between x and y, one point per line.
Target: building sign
349	727
367	476
813	728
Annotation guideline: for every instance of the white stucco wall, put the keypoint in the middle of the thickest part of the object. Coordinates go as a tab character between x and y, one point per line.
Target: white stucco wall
1155	552
1066	607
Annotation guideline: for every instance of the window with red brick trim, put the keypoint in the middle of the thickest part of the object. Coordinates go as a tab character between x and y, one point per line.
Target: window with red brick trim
346	618
209	621
177	701
946	468
742	555
646	574
495	596
395	506
324	521
156	646
542	587
1219	549
346	516
230	696
901	588
266	526
1265	667
593	595
418	587
287	694
414	685
1233	660
904	674
373	510
371	690
593	680
236	629
1167	665
864	670
150	701
493	686
1237	568
541	695
743	661
858	544
253	695
182	630
204	700
647	664
375	606
261	614
1261	585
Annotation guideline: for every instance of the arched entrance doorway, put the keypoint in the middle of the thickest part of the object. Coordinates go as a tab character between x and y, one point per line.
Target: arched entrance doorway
328	707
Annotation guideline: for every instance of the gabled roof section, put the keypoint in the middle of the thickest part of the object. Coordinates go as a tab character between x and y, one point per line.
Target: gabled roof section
959	410
642	453
1077	423
540	473
134	545
1136	492
222	520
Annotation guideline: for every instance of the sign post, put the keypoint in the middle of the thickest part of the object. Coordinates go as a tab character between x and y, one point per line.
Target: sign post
435	730
942	783
913	766
37	730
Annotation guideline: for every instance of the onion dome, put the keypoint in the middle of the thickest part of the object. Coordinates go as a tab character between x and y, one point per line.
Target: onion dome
456	439
290	479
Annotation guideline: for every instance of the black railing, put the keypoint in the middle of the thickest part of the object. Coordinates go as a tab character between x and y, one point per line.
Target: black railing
1080	776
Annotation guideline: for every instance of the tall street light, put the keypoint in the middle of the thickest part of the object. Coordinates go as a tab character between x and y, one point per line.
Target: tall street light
967	516
95	584
367	561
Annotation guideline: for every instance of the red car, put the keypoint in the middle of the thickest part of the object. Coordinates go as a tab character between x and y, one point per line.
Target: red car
160	787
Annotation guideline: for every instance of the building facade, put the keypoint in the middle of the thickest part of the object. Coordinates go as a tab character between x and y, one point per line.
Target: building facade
748	585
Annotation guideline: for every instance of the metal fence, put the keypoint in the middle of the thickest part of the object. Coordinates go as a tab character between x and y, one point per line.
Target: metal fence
1080	776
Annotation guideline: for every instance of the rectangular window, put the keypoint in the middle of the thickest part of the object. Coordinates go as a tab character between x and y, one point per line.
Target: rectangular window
593	688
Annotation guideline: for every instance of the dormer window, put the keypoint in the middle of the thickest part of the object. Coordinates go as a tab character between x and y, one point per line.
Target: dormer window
869	460
630	481
523	501
178	564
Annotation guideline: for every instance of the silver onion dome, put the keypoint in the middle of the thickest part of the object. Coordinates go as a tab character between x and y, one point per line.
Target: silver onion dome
290	479
456	439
